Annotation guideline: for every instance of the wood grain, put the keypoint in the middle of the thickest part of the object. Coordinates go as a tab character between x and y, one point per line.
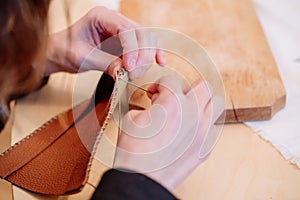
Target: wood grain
242	166
231	33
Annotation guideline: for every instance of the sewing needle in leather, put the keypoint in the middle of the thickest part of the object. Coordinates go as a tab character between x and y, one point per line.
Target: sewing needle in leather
134	85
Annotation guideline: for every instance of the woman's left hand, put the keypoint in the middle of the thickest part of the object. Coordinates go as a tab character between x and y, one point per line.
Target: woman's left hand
77	48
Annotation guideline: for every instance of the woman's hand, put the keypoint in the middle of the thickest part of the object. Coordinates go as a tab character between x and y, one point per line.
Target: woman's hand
103	40
165	142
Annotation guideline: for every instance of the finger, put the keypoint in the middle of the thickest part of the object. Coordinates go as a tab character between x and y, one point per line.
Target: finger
161	58
170	83
218	104
212	112
130	49
168	89
166	82
114	67
208	142
214	109
146	53
202	91
110	21
190	87
152	90
139	71
140	125
103	61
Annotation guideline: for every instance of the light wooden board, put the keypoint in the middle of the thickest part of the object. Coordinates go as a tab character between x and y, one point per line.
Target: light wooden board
230	32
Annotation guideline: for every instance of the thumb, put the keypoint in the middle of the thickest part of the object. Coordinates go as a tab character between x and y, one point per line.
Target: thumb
101	61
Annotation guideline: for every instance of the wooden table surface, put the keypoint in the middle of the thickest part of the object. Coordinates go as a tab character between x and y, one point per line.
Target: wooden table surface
230	32
242	166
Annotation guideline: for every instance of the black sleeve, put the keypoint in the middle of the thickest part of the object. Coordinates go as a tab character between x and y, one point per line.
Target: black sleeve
117	184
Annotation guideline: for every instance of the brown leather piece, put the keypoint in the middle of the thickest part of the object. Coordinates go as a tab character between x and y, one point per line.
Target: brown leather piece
56	158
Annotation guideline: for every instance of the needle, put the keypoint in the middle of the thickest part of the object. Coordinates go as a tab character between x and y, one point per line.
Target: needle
130	83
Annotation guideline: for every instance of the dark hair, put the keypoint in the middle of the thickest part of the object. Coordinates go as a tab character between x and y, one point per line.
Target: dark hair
23	29
23	32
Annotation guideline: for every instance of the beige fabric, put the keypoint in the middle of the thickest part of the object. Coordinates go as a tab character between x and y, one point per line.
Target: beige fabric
283	129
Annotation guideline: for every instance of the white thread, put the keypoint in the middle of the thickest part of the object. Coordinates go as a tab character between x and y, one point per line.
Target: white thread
112	102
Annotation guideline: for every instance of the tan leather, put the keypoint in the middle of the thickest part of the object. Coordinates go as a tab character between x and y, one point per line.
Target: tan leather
56	158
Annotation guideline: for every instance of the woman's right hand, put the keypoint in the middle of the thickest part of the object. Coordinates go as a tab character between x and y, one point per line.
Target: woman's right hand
164	141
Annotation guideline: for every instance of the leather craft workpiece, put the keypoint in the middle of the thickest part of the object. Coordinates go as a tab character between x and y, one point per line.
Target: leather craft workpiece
56	158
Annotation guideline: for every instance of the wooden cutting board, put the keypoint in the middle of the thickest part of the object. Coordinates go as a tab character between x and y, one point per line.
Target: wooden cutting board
230	32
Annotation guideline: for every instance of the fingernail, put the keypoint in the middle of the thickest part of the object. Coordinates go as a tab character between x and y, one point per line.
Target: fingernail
163	60
113	67
131	64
